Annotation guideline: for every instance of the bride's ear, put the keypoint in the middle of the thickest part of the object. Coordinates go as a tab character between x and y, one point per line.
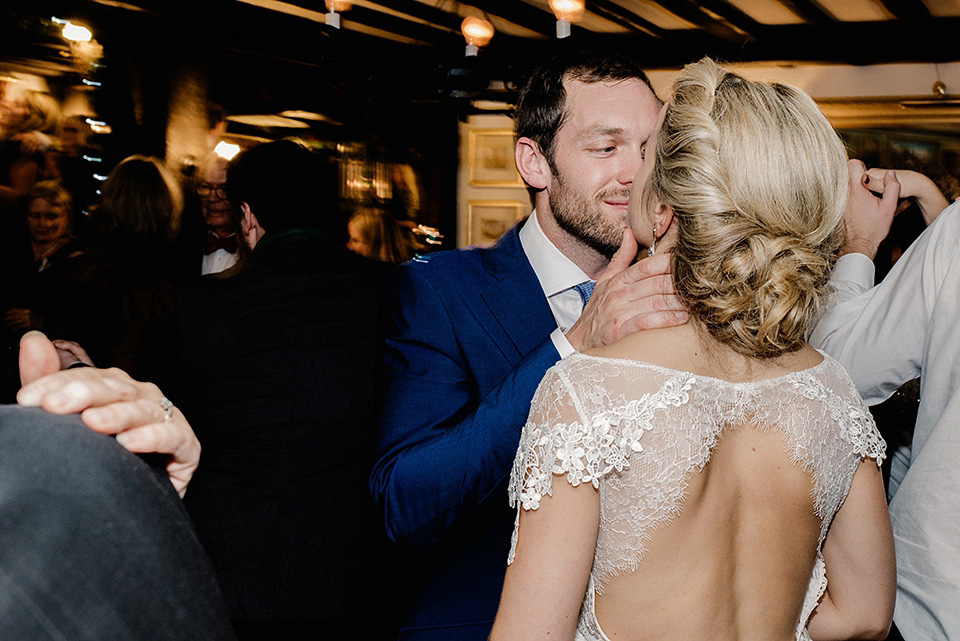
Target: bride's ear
664	217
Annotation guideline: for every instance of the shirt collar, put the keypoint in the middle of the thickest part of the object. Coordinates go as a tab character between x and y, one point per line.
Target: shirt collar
555	271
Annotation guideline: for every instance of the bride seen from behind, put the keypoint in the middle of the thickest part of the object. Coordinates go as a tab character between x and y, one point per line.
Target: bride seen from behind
717	480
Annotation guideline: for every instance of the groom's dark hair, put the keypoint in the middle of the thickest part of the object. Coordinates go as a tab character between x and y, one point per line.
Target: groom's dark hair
541	109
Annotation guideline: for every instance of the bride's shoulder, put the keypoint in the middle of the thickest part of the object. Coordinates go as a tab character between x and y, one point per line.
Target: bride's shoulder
667	347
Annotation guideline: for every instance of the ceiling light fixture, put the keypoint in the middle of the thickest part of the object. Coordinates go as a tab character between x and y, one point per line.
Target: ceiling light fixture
335	6
477	33
226	150
76	32
566	11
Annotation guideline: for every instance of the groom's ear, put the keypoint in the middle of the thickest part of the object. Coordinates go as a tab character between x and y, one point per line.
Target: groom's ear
532	164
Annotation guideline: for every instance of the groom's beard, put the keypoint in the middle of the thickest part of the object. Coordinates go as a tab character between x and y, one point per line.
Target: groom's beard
583	217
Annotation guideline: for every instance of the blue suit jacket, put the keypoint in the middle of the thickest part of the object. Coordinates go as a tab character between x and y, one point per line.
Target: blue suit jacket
470	342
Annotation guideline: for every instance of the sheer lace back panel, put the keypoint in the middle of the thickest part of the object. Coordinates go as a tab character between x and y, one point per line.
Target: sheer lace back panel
637	432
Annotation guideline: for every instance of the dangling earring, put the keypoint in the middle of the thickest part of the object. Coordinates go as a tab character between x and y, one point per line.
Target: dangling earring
653	245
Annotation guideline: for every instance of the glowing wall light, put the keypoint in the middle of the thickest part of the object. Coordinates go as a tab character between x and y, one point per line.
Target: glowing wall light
477	33
566	11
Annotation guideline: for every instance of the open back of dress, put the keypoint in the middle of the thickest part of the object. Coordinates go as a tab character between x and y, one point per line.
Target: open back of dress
715	497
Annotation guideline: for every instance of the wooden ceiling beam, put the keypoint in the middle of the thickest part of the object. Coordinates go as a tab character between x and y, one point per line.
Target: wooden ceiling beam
519	13
809	12
733	16
618	14
692	12
911	10
424	12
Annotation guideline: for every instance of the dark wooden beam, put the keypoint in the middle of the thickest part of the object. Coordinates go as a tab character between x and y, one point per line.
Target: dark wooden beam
433	15
809	12
519	13
616	13
911	10
733	16
692	13
842	42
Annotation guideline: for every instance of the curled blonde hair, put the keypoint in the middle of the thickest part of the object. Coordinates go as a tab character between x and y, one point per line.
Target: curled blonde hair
757	180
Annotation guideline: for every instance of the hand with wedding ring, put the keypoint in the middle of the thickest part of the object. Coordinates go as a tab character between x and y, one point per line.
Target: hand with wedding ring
110	402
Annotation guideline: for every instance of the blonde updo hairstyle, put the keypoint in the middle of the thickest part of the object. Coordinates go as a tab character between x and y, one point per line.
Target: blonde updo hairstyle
757	180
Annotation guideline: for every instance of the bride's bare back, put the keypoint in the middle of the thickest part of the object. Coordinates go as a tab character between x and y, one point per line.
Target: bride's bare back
714	495
736	561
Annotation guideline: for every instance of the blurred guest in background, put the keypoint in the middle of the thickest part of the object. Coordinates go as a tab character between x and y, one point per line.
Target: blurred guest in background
279	355
49	224
74	164
221	246
376	234
117	301
23	115
32	259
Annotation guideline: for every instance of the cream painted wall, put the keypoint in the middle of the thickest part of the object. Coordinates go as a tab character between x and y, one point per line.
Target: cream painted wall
467	193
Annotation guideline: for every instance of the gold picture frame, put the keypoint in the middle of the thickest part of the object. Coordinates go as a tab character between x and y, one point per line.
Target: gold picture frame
488	220
491	159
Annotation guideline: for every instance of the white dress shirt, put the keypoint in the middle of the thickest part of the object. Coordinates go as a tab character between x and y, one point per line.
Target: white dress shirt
909	326
558	275
218	261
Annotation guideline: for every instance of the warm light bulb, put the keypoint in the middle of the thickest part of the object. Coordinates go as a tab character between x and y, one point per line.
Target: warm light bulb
567	11
226	150
76	32
477	33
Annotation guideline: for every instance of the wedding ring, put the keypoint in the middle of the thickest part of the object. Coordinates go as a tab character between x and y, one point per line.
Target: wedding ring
167	406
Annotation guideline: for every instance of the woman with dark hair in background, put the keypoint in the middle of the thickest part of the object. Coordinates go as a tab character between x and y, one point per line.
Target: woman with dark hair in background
118	300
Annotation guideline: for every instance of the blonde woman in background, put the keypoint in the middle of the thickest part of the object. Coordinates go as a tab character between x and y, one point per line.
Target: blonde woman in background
376	234
717	480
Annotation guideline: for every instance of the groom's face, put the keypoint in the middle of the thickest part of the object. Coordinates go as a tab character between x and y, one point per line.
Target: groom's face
598	150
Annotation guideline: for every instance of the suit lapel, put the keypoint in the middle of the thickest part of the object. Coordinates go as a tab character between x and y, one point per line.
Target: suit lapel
516	298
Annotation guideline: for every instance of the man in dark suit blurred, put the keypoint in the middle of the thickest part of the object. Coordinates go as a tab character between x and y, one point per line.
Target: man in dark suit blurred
279	361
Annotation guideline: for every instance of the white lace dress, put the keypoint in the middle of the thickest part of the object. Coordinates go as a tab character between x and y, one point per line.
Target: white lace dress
637	431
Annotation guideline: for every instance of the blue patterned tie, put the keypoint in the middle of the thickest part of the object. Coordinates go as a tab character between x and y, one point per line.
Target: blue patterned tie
585	289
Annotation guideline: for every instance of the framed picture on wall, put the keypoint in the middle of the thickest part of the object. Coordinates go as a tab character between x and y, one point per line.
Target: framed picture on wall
488	220
491	160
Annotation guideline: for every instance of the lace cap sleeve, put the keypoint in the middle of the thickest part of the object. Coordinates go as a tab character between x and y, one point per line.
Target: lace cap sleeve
548	445
857	427
581	429
549	442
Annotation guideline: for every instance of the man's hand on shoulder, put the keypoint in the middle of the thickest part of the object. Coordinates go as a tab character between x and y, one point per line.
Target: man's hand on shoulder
110	402
629	297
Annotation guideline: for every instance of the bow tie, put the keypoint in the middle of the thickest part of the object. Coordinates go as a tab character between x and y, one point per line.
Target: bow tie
213	242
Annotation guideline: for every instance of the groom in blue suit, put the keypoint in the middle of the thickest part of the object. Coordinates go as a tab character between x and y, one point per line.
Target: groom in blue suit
474	331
